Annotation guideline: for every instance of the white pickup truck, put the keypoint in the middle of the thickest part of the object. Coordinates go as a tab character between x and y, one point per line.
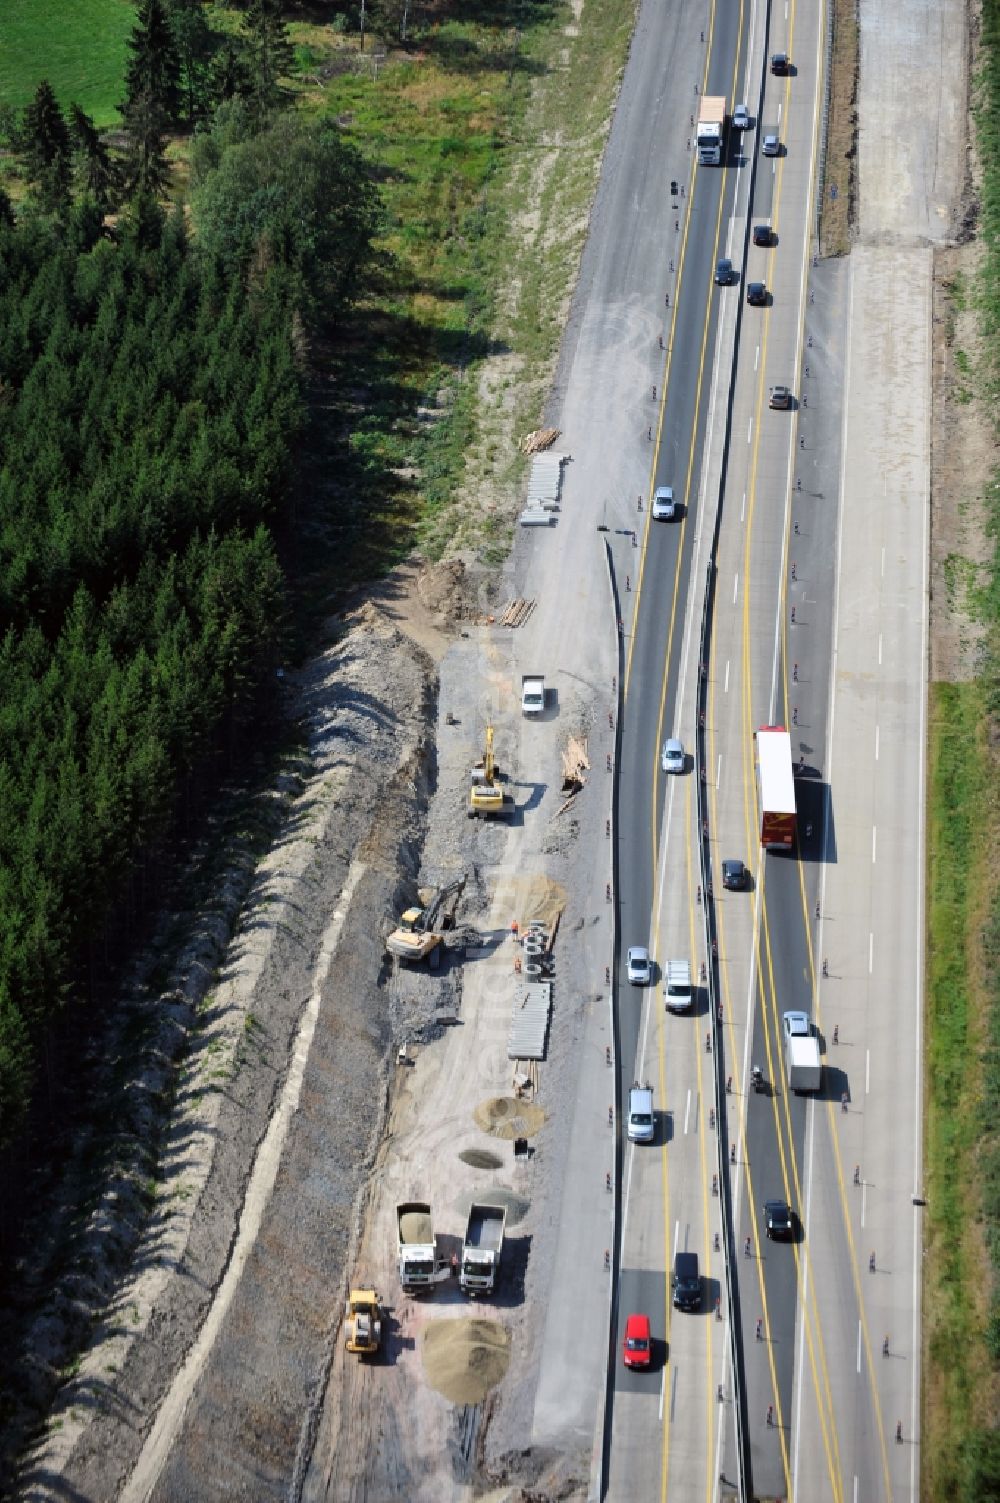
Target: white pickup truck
532	694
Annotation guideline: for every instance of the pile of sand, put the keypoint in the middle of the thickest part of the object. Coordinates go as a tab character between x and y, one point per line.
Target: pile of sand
527	896
415	1227
506	1117
464	1359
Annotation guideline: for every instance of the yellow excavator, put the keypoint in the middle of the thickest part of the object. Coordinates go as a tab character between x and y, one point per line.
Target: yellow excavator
363	1323
486	797
421	930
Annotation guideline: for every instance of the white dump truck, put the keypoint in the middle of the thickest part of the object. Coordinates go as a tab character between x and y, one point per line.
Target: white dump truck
710	129
482	1248
532	694
416	1248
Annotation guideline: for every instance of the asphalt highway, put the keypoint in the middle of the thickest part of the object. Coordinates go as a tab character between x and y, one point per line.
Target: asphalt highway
779	1382
670	1199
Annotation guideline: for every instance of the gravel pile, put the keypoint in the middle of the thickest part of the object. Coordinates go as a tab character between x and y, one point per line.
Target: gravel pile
506	1117
464	1359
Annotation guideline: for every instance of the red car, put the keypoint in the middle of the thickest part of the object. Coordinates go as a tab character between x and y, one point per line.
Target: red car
637	1348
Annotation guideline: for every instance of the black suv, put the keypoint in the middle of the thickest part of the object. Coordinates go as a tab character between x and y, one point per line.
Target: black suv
734	875
780	63
780	1220
756	294
686	1281
762	234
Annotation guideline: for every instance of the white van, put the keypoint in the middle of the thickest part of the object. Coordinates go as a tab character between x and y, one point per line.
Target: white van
678	988
641	1122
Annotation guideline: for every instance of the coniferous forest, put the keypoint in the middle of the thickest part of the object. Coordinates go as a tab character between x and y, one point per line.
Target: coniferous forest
152	383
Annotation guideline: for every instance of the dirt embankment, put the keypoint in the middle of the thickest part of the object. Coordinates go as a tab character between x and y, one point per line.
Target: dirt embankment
293	1030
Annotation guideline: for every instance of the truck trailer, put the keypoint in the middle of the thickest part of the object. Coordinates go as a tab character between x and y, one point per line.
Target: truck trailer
777	788
805	1068
711	128
482	1249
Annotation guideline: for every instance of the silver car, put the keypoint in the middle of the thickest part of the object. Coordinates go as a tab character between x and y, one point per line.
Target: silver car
741	118
663	503
672	758
638	965
771	146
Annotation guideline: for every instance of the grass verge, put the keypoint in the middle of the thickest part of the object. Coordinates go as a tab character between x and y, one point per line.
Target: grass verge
960	1449
79	48
959	1374
488	141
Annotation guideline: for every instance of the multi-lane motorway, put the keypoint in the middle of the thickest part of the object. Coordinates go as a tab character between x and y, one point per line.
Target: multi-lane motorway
816	621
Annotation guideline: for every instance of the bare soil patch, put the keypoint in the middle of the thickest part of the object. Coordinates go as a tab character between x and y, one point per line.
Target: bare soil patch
838	210
506	1117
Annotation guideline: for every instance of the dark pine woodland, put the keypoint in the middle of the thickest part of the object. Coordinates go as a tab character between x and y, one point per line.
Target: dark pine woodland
150	402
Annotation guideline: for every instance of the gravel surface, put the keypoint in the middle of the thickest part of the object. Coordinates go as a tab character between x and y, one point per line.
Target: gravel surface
231	1423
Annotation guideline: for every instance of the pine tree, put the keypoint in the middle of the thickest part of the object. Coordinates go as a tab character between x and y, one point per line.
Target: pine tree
97	174
146	169
152	98
47	148
193	42
269	53
152	72
230	76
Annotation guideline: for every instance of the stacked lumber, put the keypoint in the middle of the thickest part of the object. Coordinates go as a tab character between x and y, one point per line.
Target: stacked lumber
542	438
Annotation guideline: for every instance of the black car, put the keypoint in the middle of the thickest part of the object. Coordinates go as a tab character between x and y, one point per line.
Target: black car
756	294
723	272
762	234
780	1220
734	875
686	1282
780	63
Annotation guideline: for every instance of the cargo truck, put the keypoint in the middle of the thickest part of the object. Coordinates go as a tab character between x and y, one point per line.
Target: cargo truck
678	995
710	129
777	788
805	1068
416	1248
482	1248
532	693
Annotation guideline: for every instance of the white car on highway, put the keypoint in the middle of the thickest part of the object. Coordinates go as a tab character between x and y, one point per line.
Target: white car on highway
796	1024
672	757
663	503
638	965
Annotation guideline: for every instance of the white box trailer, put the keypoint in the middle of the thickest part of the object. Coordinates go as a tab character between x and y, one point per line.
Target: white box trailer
805	1068
777	788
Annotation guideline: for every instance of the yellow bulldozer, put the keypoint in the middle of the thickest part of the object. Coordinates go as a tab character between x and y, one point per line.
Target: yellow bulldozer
420	930
486	796
363	1323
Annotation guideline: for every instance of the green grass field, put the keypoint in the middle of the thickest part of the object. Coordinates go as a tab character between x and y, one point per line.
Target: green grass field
78	45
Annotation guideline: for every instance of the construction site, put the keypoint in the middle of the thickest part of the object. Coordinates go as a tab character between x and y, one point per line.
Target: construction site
371	1208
